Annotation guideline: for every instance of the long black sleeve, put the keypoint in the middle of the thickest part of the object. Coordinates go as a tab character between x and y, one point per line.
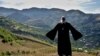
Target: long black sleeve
76	34
51	34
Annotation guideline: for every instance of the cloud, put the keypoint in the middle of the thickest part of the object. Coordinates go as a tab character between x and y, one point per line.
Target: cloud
45	3
63	4
96	10
1	2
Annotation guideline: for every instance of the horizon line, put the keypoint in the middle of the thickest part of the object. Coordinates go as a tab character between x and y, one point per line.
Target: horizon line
48	9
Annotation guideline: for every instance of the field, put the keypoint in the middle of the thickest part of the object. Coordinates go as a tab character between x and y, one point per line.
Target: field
26	47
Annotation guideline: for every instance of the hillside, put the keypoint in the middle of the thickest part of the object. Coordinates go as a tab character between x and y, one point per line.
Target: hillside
17	45
11	44
44	19
13	25
17	39
30	47
6	35
22	29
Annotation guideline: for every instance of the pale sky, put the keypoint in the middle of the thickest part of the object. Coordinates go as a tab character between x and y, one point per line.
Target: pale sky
88	6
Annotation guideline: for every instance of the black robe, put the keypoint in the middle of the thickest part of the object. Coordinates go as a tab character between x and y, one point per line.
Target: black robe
64	45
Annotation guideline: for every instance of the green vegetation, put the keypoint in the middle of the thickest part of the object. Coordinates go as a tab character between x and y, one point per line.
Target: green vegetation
22	29
15	26
17	39
6	35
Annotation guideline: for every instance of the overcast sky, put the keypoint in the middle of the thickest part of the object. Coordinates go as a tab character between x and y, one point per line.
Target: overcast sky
88	6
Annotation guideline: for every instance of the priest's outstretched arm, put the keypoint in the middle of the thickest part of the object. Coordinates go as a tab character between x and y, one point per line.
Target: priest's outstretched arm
51	34
76	34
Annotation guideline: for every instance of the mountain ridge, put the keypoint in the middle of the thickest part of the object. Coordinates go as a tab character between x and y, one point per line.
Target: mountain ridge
46	19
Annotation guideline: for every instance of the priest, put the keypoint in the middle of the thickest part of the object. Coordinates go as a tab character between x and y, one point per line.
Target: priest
63	28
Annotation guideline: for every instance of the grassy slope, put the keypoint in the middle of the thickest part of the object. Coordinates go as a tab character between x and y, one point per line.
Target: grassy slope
27	46
6	35
30	48
11	24
33	47
22	29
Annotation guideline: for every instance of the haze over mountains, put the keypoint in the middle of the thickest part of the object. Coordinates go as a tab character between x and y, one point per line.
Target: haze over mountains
46	19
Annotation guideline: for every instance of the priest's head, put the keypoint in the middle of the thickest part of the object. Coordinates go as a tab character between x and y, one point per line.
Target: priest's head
63	19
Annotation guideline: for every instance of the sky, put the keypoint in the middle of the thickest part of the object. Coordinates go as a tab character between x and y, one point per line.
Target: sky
87	6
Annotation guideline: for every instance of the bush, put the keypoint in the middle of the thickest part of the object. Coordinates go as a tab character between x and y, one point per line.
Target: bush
23	52
27	52
34	51
11	44
93	53
4	41
18	51
2	53
8	53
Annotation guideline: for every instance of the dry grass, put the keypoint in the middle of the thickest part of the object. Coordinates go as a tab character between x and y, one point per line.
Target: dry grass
30	48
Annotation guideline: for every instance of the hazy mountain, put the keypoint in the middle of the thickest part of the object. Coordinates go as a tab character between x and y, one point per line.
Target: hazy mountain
18	17
45	19
6	11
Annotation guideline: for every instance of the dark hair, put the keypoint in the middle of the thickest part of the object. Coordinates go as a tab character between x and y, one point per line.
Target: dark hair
63	18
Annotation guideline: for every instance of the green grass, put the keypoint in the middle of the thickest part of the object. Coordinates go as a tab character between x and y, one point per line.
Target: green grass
6	35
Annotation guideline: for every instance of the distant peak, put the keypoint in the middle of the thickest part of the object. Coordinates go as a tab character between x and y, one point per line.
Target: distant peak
8	8
73	10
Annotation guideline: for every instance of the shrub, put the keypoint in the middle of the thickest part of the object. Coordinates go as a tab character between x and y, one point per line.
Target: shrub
11	44
27	52
23	52
2	53
18	51
8	53
34	51
4	41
